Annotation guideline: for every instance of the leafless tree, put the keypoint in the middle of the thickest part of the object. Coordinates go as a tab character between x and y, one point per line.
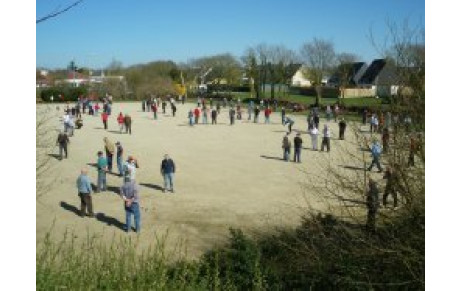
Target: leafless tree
319	57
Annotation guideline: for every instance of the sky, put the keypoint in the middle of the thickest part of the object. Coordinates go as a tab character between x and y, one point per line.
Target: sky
95	32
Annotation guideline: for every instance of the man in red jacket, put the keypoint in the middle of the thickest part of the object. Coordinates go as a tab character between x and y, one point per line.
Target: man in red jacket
268	111
105	117
197	115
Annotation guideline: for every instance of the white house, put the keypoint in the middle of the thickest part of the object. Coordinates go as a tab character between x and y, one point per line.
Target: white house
299	78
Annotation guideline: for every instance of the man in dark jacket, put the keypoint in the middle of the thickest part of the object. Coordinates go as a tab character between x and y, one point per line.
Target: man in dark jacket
214	116
231	113
62	141
342	127
128	123
167	170
372	204
297	147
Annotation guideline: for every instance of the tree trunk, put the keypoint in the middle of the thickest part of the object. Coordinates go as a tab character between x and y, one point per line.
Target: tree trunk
319	90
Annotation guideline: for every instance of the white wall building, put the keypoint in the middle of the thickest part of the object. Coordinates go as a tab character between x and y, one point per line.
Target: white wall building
299	78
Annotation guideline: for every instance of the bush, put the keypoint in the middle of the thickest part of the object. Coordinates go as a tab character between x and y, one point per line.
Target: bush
327	92
68	93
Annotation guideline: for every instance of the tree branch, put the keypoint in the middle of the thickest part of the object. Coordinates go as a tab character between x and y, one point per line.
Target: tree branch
58	12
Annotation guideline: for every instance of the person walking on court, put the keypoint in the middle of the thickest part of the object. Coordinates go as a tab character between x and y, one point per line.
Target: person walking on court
342	127
168	168
286	145
84	192
62	142
129	192
297	147
109	151
326	138
101	172
231	113
314	132
376	151
128	123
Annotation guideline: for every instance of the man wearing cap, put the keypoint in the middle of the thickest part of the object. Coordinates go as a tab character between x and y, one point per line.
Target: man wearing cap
84	192
167	170
297	147
101	172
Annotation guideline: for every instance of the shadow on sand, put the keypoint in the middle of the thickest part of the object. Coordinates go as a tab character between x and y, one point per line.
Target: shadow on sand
152	186
272	158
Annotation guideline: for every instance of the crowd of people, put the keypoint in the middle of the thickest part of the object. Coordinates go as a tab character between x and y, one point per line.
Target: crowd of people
126	169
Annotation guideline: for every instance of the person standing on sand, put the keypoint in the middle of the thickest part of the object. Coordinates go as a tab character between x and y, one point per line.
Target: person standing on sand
129	192
105	118
372	203
231	113
84	192
128	122
286	145
173	109
62	142
121	121
297	148
342	127
129	169
205	115
168	168
109	151
256	114
267	113
326	138
155	111
196	113
250	109
314	132
283	115
390	187
119	158
101	172
163	106
214	116
190	117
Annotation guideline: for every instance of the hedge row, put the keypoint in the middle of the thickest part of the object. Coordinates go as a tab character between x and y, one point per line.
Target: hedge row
65	93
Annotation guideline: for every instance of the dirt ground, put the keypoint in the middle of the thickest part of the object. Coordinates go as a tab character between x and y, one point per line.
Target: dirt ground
226	176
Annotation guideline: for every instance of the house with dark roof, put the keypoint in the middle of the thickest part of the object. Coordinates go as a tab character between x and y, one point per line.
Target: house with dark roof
380	76
351	71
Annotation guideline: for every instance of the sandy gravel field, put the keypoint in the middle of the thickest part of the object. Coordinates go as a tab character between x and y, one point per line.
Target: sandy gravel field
227	176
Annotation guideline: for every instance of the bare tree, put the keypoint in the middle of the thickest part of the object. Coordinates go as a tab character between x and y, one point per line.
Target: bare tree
319	56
